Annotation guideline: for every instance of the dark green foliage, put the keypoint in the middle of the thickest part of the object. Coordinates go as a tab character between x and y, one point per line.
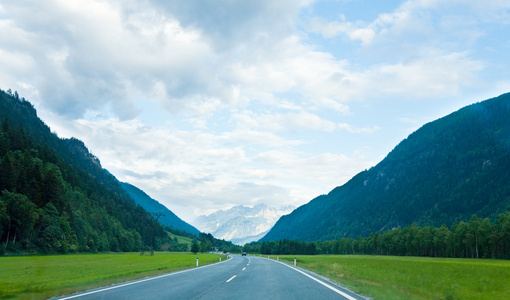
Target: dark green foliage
478	238
443	173
167	218
209	243
21	214
55	233
195	248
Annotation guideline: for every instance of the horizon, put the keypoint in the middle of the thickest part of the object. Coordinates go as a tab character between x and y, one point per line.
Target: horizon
210	106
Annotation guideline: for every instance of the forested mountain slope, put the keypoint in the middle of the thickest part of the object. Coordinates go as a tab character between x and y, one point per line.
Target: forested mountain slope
56	197
167	217
444	172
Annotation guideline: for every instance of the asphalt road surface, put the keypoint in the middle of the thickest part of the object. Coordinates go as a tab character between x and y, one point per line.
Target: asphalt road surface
241	277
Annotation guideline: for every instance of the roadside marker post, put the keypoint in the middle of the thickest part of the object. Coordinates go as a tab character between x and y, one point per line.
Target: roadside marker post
277	258
294	261
197	261
220	259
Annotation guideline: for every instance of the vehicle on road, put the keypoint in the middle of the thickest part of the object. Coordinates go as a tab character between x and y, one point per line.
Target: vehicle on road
243	254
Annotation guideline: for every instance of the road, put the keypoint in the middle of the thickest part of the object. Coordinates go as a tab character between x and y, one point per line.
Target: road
241	277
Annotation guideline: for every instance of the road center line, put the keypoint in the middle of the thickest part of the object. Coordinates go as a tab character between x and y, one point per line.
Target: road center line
244	268
321	282
231	278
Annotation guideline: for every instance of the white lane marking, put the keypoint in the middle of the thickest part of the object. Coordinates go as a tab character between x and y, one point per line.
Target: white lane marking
140	281
321	282
231	278
244	268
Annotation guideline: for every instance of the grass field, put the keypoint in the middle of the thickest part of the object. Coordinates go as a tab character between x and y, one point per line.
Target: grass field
39	277
181	239
389	277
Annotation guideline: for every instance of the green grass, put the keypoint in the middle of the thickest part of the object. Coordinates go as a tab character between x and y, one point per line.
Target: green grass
181	239
390	277
38	277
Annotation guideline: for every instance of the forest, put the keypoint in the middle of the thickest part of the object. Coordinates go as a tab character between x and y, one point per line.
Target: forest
477	238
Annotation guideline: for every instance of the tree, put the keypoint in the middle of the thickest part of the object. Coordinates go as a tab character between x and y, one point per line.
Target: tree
195	248
4	217
205	246
441	239
21	214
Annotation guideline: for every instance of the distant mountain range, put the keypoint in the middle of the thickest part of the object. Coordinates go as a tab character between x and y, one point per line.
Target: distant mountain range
444	172
167	217
241	224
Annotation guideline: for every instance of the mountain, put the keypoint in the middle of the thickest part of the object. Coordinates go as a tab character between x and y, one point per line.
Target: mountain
56	197
241	224
167	217
444	172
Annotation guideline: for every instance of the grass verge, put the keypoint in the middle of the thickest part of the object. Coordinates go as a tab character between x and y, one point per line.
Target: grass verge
39	277
390	277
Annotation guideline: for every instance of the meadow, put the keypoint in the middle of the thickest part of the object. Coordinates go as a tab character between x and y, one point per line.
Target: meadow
39	277
390	277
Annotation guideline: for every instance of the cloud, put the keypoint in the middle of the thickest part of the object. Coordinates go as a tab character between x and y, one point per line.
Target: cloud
90	55
434	75
274	122
334	28
290	66
421	21
353	129
234	24
193	58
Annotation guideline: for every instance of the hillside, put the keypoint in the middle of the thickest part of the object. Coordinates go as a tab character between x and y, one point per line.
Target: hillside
444	172
56	197
167	218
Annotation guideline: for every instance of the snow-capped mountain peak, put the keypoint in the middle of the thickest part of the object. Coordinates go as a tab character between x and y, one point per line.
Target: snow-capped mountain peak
241	224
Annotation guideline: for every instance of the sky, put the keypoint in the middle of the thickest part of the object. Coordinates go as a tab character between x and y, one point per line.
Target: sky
206	105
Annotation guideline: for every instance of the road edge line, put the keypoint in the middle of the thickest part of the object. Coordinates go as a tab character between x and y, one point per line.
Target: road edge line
319	281
137	281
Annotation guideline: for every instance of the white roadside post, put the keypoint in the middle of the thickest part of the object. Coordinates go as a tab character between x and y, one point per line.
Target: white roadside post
277	258
197	261
220	258
294	261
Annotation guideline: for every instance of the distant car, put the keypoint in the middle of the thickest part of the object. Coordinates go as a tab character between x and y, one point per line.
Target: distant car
227	254
243	254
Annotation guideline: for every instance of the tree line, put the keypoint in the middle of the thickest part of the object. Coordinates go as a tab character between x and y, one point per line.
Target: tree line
477	238
206	243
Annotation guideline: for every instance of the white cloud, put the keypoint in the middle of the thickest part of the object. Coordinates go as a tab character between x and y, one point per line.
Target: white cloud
353	129
419	20
283	122
436	75
352	31
289	66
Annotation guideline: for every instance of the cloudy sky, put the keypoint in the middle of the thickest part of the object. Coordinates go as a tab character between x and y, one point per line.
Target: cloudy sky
209	104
